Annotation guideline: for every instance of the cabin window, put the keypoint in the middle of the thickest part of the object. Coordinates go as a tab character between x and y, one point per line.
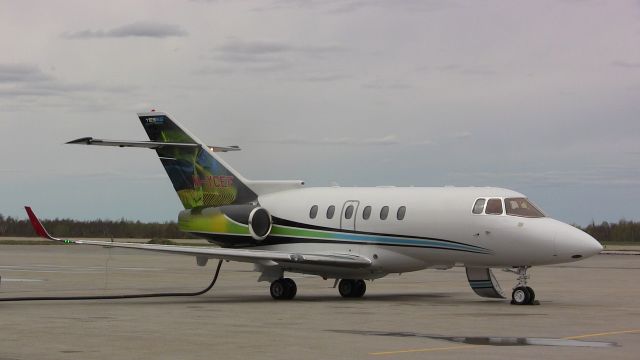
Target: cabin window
384	212
330	211
521	207
366	213
494	207
479	206
402	210
348	212
313	212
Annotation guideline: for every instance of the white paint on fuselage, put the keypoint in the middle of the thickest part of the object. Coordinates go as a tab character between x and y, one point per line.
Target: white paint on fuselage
436	212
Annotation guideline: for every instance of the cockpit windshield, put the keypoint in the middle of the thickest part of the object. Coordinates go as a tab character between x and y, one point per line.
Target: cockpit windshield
521	207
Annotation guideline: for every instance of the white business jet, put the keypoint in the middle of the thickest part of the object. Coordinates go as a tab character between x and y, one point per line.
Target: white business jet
350	234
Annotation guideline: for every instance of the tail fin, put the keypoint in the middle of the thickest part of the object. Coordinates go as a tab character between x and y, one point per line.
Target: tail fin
198	175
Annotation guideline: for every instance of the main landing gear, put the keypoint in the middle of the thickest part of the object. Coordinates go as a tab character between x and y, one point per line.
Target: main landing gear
523	294
286	289
350	288
283	289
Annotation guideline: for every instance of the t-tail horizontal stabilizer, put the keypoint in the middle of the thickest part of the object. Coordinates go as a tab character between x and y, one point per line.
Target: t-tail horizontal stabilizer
148	144
484	283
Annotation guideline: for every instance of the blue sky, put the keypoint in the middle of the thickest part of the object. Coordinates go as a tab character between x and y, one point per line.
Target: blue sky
540	97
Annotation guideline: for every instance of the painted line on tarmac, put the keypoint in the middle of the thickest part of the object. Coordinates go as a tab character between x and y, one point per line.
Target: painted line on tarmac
21	280
603	334
71	269
424	350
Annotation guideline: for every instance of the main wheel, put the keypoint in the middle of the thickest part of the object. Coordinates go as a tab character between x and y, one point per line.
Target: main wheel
291	288
278	289
521	296
283	289
360	288
350	288
346	287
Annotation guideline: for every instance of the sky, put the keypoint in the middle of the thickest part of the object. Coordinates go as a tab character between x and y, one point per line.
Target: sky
542	97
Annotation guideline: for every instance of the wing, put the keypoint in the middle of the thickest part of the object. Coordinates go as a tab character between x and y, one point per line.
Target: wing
265	257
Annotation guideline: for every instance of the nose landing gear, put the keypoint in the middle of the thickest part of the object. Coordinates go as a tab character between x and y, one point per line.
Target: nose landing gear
522	294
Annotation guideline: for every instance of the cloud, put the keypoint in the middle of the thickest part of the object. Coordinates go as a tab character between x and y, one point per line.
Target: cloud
268	55
271	47
349	6
12	73
137	29
325	77
626	64
386	85
405	5
462	135
390	139
25	86
386	140
55	87
596	176
460	69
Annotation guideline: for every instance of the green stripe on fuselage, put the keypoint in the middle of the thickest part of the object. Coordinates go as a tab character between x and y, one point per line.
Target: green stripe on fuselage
372	239
220	224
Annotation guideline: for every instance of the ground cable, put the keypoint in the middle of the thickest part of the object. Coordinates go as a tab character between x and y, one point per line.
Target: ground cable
123	296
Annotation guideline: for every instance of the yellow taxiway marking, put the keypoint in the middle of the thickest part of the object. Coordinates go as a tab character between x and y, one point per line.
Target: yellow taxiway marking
602	334
447	348
424	350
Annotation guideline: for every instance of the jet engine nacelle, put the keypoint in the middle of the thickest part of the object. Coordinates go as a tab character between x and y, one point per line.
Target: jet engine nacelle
231	219
259	221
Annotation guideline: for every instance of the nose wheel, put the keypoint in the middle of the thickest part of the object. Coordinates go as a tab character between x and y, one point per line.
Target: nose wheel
523	294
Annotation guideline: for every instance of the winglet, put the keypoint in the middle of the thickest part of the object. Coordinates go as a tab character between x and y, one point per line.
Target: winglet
37	225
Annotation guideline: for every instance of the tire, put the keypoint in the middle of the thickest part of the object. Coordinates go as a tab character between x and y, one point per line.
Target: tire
532	295
278	289
360	288
346	288
520	296
291	288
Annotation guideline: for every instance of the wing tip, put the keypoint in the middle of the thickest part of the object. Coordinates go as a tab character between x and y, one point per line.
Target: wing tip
37	225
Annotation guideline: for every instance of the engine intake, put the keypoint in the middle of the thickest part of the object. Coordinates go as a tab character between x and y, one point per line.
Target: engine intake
259	223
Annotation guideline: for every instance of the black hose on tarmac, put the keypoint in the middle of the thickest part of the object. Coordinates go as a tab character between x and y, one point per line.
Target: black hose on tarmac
114	297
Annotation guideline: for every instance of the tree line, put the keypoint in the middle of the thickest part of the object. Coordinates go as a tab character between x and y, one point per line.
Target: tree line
623	231
122	228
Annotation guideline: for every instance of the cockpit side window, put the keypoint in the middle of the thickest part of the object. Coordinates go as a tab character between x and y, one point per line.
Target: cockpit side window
479	206
494	207
521	207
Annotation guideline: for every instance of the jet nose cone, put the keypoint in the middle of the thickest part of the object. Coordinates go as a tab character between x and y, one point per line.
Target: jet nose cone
593	246
585	245
574	244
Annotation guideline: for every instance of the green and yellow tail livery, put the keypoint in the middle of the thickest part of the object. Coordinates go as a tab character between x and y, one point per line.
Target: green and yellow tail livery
200	178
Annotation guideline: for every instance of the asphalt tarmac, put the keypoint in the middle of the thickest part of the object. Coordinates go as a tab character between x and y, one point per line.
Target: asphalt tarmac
588	310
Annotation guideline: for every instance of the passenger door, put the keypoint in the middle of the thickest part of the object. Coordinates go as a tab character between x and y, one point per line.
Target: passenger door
348	215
